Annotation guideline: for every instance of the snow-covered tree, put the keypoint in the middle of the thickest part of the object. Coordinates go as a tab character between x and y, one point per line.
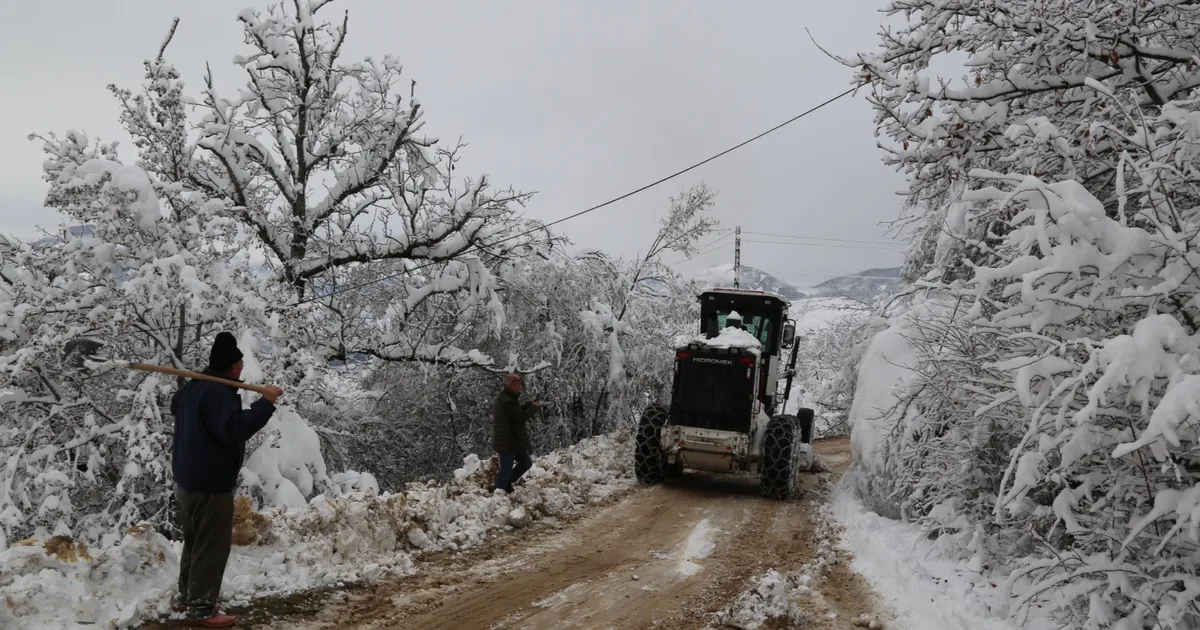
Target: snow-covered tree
603	326
1052	347
323	163
316	170
1024	101
686	222
88	450
821	361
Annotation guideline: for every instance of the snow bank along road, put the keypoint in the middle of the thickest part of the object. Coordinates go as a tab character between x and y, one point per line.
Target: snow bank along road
663	557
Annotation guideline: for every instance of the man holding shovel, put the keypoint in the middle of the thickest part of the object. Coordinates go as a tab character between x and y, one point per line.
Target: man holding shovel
211	430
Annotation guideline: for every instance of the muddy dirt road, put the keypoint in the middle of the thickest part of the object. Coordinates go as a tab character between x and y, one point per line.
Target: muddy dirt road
660	557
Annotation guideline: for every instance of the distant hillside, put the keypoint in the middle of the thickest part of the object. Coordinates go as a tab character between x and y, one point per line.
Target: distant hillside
864	284
867	283
752	278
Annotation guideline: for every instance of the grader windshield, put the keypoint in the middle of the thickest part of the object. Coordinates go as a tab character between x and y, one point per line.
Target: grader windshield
757	325
762	314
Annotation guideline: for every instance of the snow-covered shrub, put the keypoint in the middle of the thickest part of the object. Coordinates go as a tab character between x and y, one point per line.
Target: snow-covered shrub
1102	353
915	416
835	391
828	329
1059	390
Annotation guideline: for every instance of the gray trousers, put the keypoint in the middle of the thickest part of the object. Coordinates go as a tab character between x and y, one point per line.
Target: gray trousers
207	523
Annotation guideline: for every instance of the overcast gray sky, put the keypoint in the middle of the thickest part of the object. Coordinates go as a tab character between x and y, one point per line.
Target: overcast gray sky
578	101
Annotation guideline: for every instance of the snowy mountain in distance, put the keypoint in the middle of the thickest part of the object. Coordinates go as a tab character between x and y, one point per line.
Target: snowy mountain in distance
752	278
864	284
868	283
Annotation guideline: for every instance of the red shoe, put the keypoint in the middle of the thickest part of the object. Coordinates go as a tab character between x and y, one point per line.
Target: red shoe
219	620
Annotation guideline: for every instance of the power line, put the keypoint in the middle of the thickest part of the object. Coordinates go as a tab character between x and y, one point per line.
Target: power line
595	207
796	243
708	251
707	248
727	234
697	255
822	238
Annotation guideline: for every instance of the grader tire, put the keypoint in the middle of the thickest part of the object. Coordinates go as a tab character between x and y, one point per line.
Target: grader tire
777	480
648	463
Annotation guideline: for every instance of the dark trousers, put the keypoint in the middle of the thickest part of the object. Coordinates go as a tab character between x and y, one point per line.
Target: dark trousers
508	474
207	523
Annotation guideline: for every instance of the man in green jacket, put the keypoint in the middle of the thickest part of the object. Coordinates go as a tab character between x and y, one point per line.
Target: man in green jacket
510	438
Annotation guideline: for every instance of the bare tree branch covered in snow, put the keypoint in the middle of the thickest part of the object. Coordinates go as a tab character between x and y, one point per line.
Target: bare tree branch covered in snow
1030	65
684	225
323	161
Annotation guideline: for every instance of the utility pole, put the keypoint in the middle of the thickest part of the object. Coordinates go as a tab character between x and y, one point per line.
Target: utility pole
737	258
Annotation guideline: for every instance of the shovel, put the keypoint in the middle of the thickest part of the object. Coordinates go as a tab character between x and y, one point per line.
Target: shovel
81	354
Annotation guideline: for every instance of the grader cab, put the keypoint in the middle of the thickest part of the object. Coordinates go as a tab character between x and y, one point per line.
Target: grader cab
726	414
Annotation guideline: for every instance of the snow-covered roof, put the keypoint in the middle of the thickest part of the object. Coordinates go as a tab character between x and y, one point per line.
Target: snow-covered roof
728	338
734	315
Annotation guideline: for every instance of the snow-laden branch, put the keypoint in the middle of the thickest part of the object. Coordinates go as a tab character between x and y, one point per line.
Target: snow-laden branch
1028	63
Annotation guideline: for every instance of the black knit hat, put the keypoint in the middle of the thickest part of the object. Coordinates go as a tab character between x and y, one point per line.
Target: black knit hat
224	353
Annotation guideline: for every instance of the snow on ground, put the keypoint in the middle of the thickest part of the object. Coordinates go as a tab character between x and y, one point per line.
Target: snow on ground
925	590
327	542
560	597
886	374
774	595
698	546
814	314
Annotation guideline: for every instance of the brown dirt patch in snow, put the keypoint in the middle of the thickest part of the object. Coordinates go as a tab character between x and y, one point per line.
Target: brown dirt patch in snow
248	526
486	474
665	557
846	595
66	549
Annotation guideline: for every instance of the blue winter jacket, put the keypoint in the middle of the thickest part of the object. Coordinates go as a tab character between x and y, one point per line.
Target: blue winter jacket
211	430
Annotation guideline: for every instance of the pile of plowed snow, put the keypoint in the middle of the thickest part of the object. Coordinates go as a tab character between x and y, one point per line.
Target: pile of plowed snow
783	597
54	583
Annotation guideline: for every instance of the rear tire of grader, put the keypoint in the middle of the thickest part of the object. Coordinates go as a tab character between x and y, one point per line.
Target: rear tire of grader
806	417
777	479
648	464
